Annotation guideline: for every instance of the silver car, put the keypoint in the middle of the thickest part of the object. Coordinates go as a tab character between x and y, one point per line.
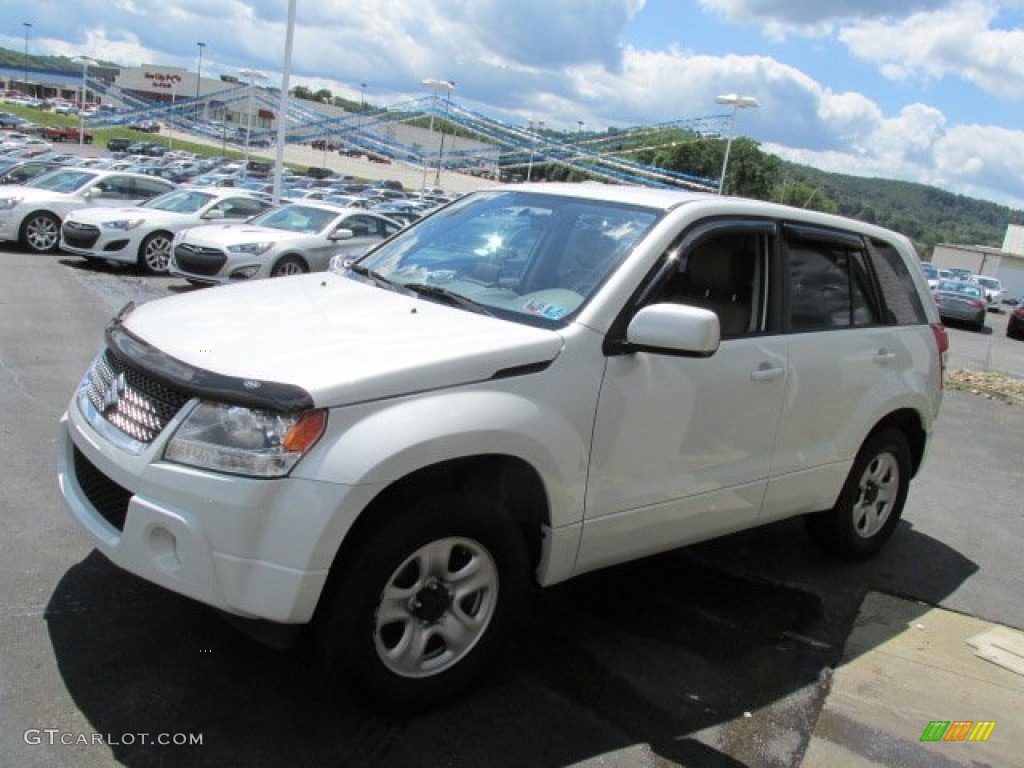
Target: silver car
142	234
290	240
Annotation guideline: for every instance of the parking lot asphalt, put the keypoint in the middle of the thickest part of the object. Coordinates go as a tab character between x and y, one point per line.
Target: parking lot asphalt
729	653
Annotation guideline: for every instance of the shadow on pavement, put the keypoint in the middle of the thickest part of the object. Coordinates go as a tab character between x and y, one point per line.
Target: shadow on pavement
737	634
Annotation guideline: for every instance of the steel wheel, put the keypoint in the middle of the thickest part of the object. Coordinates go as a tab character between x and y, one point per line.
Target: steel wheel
435	607
879	489
41	232
155	253
421	602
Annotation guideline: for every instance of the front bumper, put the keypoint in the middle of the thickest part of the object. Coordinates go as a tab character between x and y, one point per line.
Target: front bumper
257	549
10	224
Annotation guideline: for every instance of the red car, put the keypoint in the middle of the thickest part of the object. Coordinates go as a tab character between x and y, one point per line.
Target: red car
1015	324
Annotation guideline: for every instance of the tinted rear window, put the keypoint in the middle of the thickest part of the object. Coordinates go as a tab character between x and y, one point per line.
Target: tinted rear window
902	302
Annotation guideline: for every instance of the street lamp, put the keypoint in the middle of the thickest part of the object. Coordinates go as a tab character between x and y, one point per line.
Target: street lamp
253	75
28	26
199	76
85	61
435	86
737	103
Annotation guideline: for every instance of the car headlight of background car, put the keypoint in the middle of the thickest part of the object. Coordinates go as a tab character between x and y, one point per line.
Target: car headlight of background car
125	224
245	441
255	249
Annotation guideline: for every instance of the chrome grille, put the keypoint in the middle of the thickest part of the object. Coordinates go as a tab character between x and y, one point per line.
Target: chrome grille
136	404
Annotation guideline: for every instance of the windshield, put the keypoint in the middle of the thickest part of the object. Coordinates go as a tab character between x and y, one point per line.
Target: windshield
179	201
297	218
528	256
989	282
961	288
62	180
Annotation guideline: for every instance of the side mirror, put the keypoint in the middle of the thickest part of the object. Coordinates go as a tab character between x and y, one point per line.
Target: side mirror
341	234
675	329
215	213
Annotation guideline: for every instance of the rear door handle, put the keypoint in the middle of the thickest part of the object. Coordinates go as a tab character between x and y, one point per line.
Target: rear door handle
767	372
884	356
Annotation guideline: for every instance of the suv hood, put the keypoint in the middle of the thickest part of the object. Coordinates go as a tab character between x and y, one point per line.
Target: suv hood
341	340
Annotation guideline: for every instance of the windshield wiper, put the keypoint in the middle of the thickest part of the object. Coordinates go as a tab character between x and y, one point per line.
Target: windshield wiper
450	297
378	279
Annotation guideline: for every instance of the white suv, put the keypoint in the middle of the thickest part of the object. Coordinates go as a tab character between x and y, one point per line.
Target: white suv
535	382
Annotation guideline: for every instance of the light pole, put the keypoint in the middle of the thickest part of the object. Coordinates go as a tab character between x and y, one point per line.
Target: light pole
28	26
199	77
435	86
170	117
533	145
737	103
253	75
283	101
85	61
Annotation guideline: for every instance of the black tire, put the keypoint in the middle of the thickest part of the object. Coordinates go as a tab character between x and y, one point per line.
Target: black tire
453	618
40	232
869	507
155	253
289	265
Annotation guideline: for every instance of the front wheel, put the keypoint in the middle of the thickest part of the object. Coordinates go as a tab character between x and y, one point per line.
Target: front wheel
40	232
422	606
155	253
289	265
871	502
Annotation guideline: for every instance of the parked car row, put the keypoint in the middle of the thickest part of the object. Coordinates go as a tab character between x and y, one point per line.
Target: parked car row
963	296
203	219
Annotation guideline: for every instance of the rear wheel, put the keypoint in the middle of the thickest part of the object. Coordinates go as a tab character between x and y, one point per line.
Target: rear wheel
155	253
423	605
40	232
289	265
871	502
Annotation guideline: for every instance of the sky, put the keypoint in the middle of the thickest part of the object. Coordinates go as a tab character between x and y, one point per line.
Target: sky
930	91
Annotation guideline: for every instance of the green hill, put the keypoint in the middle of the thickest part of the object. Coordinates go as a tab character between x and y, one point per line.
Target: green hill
928	215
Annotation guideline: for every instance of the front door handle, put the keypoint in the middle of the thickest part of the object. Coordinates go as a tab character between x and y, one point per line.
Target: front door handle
767	372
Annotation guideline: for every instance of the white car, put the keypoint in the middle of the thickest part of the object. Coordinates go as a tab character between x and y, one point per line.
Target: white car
993	289
537	382
290	240
142	234
32	213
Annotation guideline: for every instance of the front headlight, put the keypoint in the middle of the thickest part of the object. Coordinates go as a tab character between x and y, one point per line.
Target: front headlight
245	441
257	249
6	203
126	224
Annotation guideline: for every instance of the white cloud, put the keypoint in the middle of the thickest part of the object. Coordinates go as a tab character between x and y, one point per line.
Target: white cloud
959	41
811	18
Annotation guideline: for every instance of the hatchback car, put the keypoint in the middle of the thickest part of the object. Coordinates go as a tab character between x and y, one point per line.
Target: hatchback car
32	213
961	301
142	234
292	239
